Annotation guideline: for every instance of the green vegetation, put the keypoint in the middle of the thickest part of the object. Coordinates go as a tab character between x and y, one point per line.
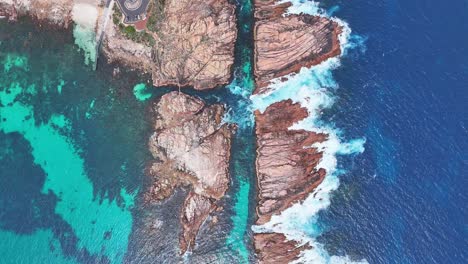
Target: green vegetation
117	15
129	31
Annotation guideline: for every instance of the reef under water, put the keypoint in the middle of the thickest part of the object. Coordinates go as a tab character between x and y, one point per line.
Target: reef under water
71	155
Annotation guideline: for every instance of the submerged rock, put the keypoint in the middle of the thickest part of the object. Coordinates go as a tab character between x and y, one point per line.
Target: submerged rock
191	147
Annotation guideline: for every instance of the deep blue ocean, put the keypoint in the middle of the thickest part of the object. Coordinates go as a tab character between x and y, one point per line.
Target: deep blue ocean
404	200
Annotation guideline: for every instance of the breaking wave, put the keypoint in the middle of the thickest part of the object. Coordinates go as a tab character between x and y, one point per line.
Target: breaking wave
314	89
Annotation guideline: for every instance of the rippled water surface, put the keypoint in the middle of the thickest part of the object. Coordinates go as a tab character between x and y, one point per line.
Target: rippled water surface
404	199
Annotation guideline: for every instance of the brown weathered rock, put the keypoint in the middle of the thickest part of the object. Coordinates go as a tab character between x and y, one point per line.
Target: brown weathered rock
285	44
56	12
118	48
286	173
191	148
195	211
194	44
285	161
274	248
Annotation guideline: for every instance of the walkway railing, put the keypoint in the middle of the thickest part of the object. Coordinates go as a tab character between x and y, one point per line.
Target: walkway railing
100	34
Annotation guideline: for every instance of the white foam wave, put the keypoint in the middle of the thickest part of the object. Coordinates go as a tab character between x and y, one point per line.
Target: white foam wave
242	113
303	7
313	89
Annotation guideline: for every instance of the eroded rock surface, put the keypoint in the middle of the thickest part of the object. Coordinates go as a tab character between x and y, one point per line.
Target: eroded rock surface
285	162
285	44
191	148
195	211
275	248
56	12
193	44
119	49
286	173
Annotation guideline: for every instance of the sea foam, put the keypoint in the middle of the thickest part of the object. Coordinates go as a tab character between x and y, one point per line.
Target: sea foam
313	88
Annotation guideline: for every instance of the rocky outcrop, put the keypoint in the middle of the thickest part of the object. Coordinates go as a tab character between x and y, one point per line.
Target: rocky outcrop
275	248
192	43
285	44
56	12
286	160
191	148
286	173
118	48
285	163
194	212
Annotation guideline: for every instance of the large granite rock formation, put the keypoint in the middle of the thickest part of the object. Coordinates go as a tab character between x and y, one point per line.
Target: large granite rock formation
191	148
285	44
275	248
286	162
193	44
286	174
56	12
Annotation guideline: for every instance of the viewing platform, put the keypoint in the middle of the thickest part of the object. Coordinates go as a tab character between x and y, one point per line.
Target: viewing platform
134	10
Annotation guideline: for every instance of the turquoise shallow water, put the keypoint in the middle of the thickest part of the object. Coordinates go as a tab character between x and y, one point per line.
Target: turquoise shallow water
73	149
71	153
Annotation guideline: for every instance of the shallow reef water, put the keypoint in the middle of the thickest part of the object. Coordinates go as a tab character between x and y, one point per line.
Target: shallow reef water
71	158
73	147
